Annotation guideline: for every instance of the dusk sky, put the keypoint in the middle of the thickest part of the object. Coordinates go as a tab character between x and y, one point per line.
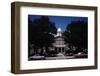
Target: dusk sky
60	21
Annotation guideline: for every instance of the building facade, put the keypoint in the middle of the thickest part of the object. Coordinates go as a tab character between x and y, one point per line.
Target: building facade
59	44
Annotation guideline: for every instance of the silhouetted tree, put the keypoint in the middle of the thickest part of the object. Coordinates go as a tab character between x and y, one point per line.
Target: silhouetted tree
41	32
76	33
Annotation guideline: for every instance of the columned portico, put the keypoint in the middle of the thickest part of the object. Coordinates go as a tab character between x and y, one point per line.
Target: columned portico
60	49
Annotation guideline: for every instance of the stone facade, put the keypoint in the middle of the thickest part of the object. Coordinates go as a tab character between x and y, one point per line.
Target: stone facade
59	44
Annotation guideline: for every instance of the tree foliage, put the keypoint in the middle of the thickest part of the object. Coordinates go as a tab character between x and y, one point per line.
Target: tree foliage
41	31
76	33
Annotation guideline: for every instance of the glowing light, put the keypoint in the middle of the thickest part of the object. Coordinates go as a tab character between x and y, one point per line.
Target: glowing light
59	30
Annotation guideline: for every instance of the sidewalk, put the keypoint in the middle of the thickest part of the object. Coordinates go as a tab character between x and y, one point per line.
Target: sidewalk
56	58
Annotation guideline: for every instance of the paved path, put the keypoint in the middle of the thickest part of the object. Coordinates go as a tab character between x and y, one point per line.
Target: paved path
56	58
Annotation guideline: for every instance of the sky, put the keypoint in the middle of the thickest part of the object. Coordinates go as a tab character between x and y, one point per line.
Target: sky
60	21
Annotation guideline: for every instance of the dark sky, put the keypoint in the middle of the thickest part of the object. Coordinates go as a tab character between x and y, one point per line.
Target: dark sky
61	21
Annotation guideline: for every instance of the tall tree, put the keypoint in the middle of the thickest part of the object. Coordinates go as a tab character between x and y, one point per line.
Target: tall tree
76	33
41	32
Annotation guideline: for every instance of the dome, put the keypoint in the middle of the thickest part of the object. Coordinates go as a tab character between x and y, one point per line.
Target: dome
59	33
59	30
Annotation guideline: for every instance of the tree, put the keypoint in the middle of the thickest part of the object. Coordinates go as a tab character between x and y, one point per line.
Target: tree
41	32
76	33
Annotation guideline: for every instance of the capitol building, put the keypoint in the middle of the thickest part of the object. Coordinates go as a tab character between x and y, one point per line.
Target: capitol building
59	44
